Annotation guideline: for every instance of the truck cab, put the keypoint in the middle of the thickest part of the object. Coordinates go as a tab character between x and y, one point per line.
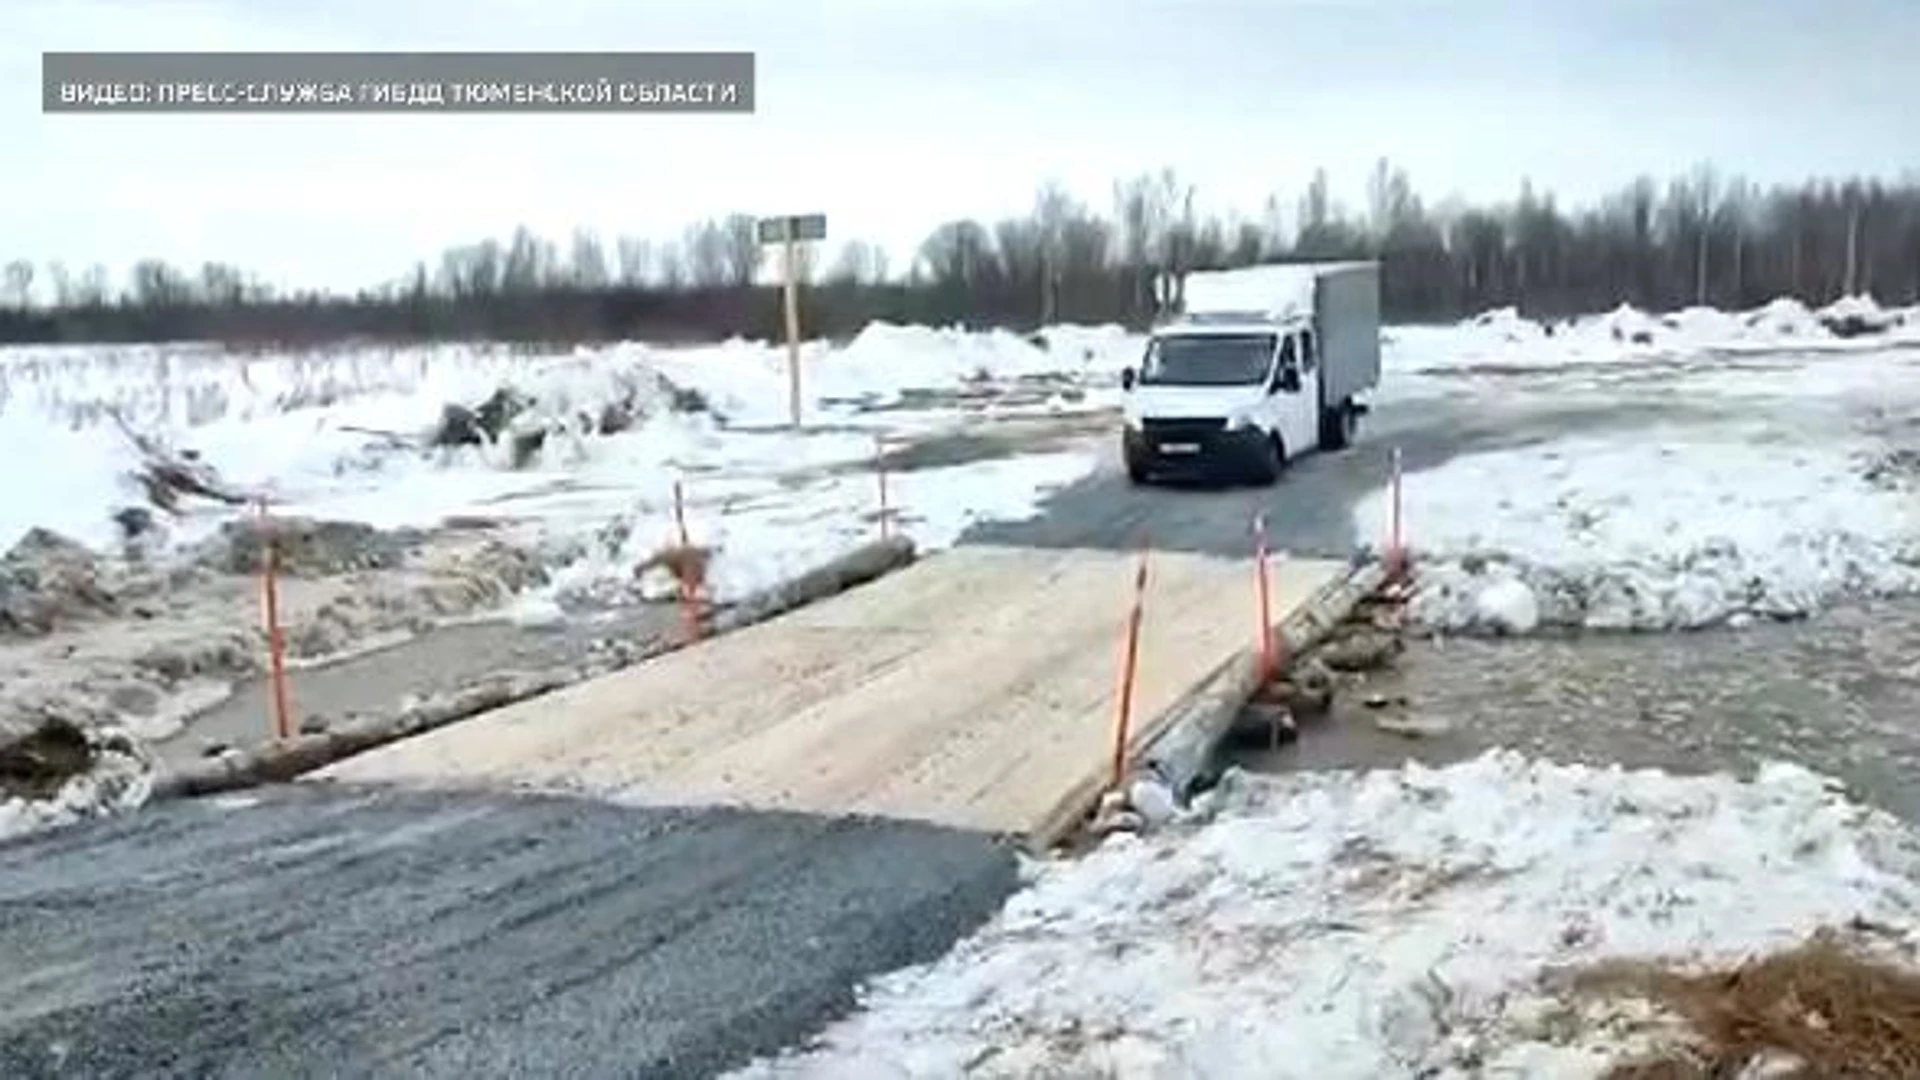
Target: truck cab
1233	396
1243	387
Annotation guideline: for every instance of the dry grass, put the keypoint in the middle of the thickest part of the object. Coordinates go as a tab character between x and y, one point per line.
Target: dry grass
687	563
1824	1005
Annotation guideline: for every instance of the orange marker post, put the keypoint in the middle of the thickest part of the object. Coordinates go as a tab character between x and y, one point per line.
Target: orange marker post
1266	607
1396	549
1129	666
270	616
684	569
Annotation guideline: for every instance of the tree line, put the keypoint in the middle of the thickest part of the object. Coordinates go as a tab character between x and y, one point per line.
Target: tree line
1700	238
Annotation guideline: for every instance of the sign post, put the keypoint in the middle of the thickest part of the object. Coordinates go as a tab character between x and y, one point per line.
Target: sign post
789	232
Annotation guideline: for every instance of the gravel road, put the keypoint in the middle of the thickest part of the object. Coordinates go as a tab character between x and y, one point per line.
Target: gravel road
306	932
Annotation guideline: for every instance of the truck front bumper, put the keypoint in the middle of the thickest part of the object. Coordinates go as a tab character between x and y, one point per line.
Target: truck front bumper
1192	448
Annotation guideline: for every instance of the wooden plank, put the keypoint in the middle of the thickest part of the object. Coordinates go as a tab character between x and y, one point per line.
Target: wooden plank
974	689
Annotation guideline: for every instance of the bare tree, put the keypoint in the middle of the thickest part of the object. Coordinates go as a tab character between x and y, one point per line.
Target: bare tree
957	253
588	261
17	279
859	262
153	284
61	282
94	287
743	249
531	264
708	255
674	273
635	256
222	285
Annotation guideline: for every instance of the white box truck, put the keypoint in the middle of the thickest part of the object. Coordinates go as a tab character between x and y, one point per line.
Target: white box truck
1263	365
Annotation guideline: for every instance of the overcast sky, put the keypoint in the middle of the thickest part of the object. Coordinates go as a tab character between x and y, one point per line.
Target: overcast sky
893	115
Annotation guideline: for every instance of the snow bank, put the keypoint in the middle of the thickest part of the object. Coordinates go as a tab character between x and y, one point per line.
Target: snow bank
1381	924
1504	339
61	478
1646	531
884	364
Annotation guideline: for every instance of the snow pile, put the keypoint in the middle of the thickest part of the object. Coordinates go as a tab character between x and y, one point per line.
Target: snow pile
890	366
1645	532
1861	315
1381	924
1784	318
1106	348
1505	340
63	479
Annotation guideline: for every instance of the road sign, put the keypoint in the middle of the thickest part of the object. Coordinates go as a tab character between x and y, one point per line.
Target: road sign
789	232
778	230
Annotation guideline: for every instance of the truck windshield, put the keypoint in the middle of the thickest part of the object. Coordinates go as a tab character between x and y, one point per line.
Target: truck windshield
1207	360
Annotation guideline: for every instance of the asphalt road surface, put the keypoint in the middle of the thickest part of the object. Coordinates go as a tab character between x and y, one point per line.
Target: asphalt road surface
326	931
1309	511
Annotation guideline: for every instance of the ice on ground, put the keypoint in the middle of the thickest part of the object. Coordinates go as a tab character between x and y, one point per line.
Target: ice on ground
763	532
1394	923
1658	530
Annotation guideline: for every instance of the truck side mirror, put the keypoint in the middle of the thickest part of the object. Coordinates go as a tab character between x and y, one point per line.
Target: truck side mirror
1289	379
1128	377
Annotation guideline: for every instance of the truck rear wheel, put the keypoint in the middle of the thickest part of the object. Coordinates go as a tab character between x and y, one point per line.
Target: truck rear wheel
1339	426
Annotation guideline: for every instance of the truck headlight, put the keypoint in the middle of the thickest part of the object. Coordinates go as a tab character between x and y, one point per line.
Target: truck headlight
1236	421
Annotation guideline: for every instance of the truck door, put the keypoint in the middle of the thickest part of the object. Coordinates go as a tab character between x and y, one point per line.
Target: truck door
1294	397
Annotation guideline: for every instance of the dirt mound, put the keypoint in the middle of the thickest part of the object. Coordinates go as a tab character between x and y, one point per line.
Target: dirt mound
59	767
47	579
306	547
1822	1009
37	760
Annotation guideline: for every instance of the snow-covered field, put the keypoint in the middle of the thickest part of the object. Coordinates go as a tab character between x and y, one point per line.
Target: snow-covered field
310	431
1661	471
1710	467
1393	923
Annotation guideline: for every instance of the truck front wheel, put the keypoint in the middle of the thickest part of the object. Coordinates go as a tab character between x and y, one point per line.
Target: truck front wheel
1136	464
1272	461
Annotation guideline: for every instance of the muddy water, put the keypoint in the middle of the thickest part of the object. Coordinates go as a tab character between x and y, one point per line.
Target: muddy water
378	681
1839	694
